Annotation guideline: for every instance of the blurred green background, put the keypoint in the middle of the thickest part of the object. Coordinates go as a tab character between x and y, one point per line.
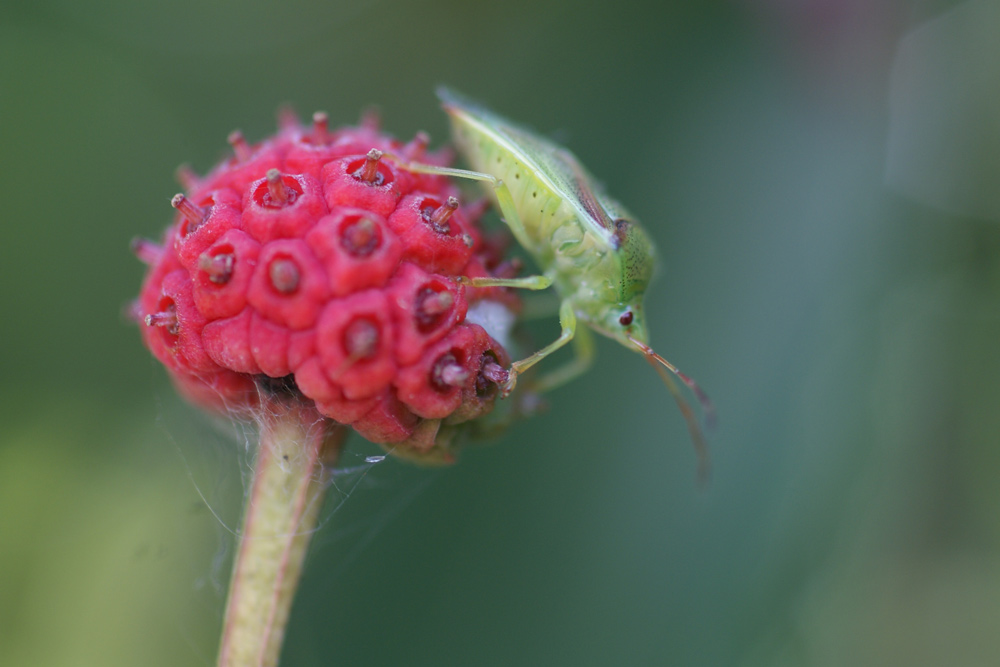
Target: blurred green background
846	328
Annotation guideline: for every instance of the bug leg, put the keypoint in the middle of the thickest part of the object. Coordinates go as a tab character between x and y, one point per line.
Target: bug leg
528	282
583	347
500	189
567	320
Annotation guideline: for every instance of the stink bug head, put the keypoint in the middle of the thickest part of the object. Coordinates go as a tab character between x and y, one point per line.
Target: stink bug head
618	313
624	322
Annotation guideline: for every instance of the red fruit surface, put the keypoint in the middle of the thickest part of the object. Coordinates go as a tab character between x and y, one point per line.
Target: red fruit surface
227	342
289	285
432	387
222	276
388	422
355	341
201	221
317	258
357	249
425	308
269	345
435	236
287	215
346	184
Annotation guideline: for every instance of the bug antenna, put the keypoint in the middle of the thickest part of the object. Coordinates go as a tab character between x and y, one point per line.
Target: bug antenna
661	366
706	403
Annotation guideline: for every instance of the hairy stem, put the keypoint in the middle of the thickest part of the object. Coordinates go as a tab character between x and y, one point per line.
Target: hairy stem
297	449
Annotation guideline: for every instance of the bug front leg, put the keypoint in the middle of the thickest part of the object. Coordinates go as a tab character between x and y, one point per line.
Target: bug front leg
567	320
583	347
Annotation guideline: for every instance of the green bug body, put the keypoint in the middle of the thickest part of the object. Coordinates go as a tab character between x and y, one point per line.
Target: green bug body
598	259
582	239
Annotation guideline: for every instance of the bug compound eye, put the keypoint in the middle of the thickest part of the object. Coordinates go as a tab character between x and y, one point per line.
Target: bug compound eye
626	318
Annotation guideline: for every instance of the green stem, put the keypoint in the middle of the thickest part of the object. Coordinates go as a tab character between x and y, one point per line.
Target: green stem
297	450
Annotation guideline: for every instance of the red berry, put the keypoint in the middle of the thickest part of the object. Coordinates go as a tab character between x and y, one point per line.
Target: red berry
432	387
355	342
315	259
346	411
289	286
282	206
362	182
223	275
173	329
269	344
301	347
199	225
434	236
357	249
488	363
425	308
227	342
312	380
389	421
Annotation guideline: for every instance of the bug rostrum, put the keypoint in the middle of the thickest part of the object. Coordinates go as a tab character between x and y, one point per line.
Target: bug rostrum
589	248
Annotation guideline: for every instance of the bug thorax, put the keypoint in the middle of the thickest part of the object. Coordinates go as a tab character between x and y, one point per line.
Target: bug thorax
636	259
609	296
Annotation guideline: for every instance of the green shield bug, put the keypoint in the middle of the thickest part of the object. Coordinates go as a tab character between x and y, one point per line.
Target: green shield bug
589	248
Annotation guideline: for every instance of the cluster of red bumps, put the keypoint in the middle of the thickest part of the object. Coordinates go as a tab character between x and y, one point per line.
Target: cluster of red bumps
314	263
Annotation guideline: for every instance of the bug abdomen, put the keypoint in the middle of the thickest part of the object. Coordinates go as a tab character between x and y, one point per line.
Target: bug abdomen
558	239
539	207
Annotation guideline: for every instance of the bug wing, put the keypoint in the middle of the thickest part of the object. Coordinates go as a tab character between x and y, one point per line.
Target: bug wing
564	173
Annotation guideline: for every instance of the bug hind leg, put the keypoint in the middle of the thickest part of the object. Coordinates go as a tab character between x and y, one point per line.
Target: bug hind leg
506	201
510	216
